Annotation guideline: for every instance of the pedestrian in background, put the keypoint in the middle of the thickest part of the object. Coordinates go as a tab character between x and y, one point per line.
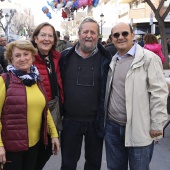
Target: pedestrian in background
140	41
111	47
135	103
25	118
3	61
67	40
46	60
61	44
104	43
84	70
152	44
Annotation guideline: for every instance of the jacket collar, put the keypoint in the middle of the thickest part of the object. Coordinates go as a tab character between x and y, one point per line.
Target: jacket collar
138	60
139	55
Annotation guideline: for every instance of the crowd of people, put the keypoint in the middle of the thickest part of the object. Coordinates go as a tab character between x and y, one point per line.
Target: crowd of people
55	94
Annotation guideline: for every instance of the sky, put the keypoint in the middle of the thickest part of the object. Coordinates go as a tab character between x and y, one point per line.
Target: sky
39	16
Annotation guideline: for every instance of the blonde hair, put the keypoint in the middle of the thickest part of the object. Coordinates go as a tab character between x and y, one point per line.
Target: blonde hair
21	44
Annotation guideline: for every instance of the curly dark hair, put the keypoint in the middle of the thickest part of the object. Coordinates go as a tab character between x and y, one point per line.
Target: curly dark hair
150	39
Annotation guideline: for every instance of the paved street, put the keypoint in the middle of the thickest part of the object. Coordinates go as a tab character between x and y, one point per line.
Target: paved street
160	161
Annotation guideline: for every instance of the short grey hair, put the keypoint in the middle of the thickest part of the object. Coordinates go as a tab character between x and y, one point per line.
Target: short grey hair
88	20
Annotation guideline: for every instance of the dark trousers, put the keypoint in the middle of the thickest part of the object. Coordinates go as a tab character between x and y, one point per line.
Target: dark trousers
25	160
44	154
71	143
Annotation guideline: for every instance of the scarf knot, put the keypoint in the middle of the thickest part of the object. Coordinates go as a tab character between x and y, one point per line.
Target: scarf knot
28	78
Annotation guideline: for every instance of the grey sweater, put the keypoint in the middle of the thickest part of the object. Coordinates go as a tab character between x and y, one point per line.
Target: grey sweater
117	106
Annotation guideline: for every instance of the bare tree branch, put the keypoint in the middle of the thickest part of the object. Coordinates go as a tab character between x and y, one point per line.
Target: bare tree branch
160	18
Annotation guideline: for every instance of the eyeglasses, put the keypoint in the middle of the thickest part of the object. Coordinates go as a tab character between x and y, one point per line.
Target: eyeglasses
124	34
43	36
80	79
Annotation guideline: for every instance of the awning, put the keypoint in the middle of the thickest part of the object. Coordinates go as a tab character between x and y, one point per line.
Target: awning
125	1
139	32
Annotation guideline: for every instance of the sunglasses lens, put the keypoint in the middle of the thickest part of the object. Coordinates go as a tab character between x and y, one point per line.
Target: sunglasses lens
116	35
125	33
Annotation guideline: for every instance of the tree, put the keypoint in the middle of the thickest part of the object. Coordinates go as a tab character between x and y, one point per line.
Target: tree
161	18
5	28
26	24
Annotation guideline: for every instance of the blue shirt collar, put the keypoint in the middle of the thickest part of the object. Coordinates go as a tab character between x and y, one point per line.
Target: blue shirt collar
131	52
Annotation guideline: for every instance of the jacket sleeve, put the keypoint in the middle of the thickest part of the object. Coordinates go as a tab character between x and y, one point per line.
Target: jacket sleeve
51	126
158	90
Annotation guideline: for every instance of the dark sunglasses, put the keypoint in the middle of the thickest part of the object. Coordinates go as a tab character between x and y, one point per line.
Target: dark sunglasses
124	34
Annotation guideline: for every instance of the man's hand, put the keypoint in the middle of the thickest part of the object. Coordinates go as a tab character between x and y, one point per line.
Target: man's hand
155	133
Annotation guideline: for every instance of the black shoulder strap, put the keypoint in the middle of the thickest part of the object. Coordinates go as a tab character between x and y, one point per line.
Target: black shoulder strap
7	81
6	78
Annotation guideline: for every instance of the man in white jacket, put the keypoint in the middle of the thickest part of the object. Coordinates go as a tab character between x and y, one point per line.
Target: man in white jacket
135	103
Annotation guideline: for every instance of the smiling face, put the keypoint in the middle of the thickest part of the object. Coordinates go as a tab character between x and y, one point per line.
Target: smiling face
45	39
122	38
22	59
88	37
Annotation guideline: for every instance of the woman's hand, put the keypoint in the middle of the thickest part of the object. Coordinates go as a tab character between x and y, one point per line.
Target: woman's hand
55	145
2	155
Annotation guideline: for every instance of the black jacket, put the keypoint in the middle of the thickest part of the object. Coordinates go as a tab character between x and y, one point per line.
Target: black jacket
3	61
111	48
104	67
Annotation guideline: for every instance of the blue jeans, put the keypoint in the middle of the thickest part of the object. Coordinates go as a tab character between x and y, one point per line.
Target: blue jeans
71	143
118	156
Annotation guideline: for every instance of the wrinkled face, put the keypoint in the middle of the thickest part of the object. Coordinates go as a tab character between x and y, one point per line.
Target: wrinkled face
122	38
45	39
88	37
22	59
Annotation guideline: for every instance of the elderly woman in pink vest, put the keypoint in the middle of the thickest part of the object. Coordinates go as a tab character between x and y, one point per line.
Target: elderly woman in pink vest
25	119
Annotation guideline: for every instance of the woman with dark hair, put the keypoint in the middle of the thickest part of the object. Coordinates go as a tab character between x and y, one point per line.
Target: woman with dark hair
152	44
44	38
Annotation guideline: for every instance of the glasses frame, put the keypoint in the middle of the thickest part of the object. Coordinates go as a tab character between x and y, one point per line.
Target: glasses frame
44	35
117	34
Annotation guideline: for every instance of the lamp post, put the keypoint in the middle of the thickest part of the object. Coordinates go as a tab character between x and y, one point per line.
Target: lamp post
7	23
101	22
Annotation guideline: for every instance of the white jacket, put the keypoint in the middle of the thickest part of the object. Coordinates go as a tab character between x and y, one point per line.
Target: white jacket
146	94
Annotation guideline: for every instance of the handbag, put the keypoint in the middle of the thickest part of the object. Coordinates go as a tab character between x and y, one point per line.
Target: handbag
54	107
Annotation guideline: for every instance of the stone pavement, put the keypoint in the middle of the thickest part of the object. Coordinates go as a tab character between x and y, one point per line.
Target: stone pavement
160	160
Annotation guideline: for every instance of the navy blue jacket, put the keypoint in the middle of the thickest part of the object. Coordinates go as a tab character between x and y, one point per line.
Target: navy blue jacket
3	61
104	67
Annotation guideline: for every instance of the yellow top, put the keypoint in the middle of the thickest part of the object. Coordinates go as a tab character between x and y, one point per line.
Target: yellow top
35	106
